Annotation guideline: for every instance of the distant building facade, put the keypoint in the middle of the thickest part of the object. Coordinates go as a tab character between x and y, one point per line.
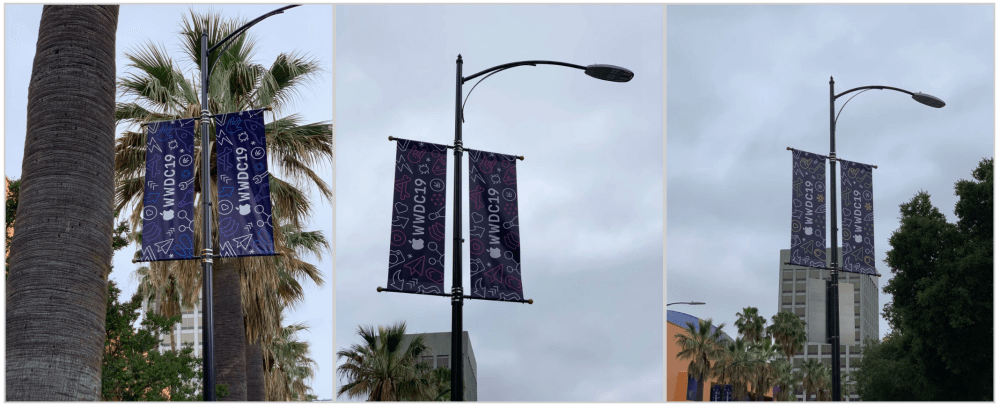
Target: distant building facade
438	354
186	332
803	292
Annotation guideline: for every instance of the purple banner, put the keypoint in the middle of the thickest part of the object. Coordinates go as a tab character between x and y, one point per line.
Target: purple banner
244	199
495	241
858	217
416	246
168	199
808	209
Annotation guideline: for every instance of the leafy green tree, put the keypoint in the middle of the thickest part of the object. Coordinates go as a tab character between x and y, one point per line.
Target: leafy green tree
134	369
700	345
384	366
750	324
889	372
942	293
785	379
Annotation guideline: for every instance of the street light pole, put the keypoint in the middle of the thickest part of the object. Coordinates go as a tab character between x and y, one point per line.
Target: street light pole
457	299
600	71
208	343
923	98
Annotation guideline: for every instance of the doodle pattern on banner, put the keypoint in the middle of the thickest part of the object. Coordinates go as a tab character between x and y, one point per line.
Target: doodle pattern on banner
808	209
857	220
244	196
494	241
168	197
416	246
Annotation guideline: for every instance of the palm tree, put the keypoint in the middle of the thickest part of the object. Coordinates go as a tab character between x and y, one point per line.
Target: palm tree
156	88
288	367
785	379
815	378
384	367
700	345
764	376
788	331
734	366
750	324
60	254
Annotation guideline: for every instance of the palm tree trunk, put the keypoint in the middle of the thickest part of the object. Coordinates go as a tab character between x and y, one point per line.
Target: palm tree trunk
701	389
60	255
255	372
229	335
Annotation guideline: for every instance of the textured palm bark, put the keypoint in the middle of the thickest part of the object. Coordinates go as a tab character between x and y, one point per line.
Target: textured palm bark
60	254
229	335
255	372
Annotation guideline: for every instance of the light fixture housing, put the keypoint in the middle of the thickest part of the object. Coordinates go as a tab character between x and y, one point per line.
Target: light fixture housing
929	100
609	73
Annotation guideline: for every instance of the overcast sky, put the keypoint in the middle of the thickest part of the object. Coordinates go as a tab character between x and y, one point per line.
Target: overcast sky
744	82
590	192
307	29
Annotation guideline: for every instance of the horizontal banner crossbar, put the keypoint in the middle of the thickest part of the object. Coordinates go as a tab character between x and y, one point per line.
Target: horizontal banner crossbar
830	158
391	139
831	269
381	289
196	117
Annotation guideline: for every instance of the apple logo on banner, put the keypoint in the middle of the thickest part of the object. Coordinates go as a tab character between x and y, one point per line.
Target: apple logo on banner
245	209
808	230
418	244
857	238
168	215
494	253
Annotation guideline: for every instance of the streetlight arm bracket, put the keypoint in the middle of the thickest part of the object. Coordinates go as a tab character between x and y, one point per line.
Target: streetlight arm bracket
481	80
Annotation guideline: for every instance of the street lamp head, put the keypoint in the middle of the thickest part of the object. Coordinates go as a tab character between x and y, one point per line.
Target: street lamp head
609	73
928	100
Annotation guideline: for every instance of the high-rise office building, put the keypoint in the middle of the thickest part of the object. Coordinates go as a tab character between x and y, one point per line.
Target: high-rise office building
803	291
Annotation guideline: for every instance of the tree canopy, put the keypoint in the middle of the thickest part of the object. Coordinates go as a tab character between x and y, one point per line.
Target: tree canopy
941	313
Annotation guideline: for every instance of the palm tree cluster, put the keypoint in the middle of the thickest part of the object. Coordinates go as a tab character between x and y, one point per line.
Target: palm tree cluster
386	366
757	361
257	356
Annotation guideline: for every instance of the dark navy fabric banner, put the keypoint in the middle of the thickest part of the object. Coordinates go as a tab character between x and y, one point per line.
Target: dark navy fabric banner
244	199
857	217
808	209
416	246
495	241
168	199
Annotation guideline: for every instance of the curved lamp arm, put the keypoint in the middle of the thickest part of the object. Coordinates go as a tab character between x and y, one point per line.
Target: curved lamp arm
923	98
600	71
519	63
226	41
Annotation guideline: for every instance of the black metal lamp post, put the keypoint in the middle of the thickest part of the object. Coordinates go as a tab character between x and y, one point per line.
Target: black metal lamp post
208	344
606	72
923	98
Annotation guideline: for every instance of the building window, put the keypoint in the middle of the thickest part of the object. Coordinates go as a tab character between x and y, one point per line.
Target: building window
442	361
